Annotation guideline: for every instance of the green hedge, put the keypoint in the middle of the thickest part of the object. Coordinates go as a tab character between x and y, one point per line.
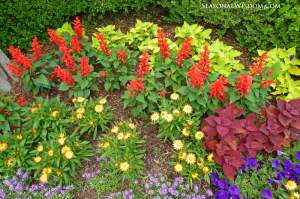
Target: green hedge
22	20
255	28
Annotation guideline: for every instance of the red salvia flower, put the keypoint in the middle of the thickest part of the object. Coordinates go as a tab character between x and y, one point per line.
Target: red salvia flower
64	75
244	84
55	37
258	67
135	85
67	57
2	109
77	28
75	45
200	71
103	45
85	67
122	55
50	77
184	52
23	63
7	113
162	42
8	100
170	74
37	53
144	65
270	71
21	101
218	89
267	82
162	93
103	74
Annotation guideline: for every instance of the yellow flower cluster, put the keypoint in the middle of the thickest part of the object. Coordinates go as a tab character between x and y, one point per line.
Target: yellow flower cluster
3	146
124	166
10	161
68	153
61	140
45	173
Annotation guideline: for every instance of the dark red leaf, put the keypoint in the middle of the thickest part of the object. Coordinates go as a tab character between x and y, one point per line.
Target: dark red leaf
220	160
284	120
251	127
227	114
252	145
203	125
242	147
294	112
220	152
262	138
269	147
263	128
296	124
281	104
238	111
252	152
211	120
286	143
210	130
286	113
212	144
238	130
276	140
272	111
251	118
263	112
229	171
235	124
218	110
222	130
293	131
295	103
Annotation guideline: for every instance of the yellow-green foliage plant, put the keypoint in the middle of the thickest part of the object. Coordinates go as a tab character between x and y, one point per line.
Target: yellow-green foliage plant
285	87
68	28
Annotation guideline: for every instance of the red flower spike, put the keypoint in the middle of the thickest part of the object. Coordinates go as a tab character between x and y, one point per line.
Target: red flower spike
85	67
144	65
67	57
122	55
135	85
184	52
162	93
21	101
244	84
267	82
75	45
103	74
77	28
55	37
64	75
103	45
258	67
37	53
162	42
218	89
7	113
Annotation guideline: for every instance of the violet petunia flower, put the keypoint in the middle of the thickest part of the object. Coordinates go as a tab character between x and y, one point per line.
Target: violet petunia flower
275	163
287	164
297	168
233	190
298	154
252	163
292	57
279	153
266	193
223	184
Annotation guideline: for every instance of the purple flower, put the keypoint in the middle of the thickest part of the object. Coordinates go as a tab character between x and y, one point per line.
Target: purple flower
287	165
136	182
223	184
214	175
292	57
252	163
147	185
215	182
297	168
183	194
150	191
298	153
131	196
19	172
279	182
275	163
269	181
209	192
243	166
168	184
233	190
266	193
187	187
236	196
101	181
222	194
279	153
98	171
163	191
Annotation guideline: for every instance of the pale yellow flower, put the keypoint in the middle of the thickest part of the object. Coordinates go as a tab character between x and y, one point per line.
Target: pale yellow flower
199	135
178	167
190	158
188	109
154	117
174	96
124	166
103	101
80	99
177	144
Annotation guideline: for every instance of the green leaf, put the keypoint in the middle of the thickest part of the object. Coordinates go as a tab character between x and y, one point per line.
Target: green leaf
277	69
116	64
213	77
63	86
168	81
168	61
124	69
294	70
250	97
107	85
140	98
153	97
14	116
105	64
184	90
42	79
94	87
234	96
84	84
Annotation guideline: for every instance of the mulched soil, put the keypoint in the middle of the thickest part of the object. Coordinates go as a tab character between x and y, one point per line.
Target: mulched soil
157	152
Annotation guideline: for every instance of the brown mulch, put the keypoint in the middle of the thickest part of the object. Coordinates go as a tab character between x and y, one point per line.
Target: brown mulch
157	152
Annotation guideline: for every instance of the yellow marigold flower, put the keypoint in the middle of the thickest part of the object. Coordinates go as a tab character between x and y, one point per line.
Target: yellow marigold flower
177	144
133	135
124	166
34	132
181	156
131	125
126	136
190	158
106	144
199	135
190	122
54	113
20	137
162	114
178	167
205	169
61	141
176	111
154	117
28	117
78	144
99	108
39	104
120	136
297	195
80	99
100	145
103	101
99	116
188	109
65	149
168	117
33	109
62	135
74	99
58	173
121	123
199	162
50	153
115	129
43	178
40	148
69	155
291	185
116	164
37	159
91	122
10	161
3	146
194	175
79	116
174	96
80	110
185	132
72	117
110	137
211	157
47	171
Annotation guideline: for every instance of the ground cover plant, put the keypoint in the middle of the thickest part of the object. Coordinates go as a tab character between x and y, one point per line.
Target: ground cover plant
212	115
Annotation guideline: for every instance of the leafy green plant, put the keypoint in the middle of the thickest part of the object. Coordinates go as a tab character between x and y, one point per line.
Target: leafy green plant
91	114
9	111
124	148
